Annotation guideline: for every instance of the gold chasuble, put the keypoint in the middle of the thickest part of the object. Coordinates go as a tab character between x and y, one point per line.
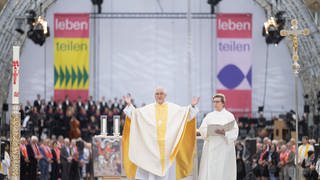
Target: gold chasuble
161	121
155	137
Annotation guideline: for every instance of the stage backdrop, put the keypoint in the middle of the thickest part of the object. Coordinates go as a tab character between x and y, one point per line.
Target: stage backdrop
234	67
71	56
130	54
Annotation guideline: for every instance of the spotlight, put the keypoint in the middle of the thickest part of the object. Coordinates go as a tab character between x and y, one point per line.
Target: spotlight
280	19
44	25
39	31
36	34
38	26
272	27
260	109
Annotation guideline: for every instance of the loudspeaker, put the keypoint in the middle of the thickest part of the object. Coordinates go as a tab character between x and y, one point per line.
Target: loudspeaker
260	108
5	107
316	119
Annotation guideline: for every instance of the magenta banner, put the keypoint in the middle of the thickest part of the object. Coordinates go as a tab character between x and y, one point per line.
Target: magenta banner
234	66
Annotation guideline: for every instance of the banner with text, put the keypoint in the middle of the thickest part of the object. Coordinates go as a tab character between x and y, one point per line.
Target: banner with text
234	66
71	56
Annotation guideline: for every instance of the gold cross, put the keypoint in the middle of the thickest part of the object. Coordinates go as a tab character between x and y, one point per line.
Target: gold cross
293	35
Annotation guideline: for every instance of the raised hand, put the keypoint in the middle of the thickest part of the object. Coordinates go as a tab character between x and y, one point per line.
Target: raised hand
195	101
127	99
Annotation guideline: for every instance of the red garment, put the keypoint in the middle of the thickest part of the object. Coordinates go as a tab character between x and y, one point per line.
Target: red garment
57	151
100	151
75	152
109	150
47	151
262	155
284	156
293	149
36	150
23	149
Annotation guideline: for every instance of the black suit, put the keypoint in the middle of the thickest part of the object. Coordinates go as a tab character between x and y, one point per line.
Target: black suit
65	165
79	106
115	105
55	171
24	168
33	163
103	105
121	107
90	104
52	104
109	106
37	104
65	105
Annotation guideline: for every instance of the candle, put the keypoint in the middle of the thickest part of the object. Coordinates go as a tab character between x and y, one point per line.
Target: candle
116	120
103	122
15	75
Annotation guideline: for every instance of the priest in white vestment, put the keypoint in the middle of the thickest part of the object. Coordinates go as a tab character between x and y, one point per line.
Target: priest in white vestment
218	160
159	139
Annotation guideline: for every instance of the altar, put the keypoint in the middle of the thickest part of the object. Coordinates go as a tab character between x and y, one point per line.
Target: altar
107	153
107	158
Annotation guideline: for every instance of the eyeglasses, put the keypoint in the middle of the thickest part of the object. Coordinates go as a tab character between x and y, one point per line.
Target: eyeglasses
216	101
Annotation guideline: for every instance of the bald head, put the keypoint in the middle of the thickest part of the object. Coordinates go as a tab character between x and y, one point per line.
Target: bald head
160	89
160	95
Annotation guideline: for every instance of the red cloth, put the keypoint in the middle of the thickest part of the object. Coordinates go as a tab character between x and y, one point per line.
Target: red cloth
36	150
262	155
75	152
100	151
284	156
23	149
57	151
47	151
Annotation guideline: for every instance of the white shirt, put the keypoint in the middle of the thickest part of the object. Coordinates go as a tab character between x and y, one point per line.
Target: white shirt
302	151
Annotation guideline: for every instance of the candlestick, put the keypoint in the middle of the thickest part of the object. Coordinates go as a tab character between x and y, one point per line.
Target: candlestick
15	120
116	127
103	119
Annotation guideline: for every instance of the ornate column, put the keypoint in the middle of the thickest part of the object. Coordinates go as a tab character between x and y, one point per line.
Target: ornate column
15	121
